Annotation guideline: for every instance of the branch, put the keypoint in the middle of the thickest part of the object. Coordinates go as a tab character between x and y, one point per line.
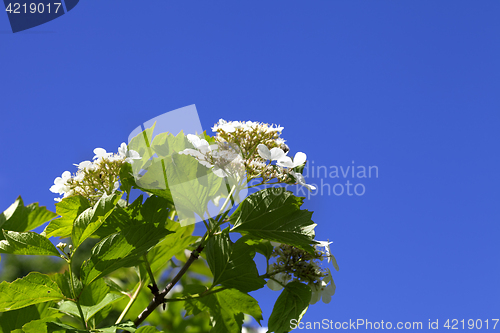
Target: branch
160	298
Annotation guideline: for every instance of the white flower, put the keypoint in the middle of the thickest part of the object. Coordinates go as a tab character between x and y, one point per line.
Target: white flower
60	183
274	154
85	165
122	150
323	290
326	245
222	159
128	155
200	144
101	153
301	181
281	280
232	126
299	159
275	244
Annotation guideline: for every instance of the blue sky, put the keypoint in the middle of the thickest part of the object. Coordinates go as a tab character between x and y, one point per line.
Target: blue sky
409	87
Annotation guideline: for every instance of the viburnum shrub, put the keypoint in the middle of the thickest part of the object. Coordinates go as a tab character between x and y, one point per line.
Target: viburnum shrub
131	215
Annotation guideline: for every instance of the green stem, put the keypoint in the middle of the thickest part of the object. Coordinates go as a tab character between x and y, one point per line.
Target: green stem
74	296
154	289
208	292
130	303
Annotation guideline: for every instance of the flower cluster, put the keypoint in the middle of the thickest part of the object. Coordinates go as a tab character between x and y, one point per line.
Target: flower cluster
260	144
247	135
223	158
294	264
94	178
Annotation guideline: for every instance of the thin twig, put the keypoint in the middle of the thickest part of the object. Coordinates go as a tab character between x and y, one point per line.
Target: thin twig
160	299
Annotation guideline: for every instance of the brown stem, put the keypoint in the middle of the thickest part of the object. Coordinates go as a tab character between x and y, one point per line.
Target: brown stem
160	299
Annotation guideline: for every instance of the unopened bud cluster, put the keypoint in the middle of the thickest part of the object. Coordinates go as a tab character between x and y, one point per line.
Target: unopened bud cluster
298	264
247	135
94	179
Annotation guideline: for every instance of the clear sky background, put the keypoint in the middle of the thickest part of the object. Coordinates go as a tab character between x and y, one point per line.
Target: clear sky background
412	87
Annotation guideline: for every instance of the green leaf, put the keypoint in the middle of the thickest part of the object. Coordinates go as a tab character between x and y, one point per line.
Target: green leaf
265	215
20	218
31	289
291	304
126	178
177	178
232	264
64	283
56	327
88	311
226	308
189	184
170	245
166	144
31	318
148	329
69	209
263	246
93	299
28	243
92	218
121	249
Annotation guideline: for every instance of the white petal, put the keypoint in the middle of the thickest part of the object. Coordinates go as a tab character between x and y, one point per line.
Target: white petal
275	244
194	139
66	175
326	298
329	290
277	154
134	155
285	162
315	297
299	159
54	189
99	151
122	150
264	152
273	285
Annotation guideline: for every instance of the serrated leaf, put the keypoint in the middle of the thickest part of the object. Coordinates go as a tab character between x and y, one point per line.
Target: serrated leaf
190	185
69	209
93	299
88	311
232	264
178	178
170	245
27	243
27	318
64	283
31	289
20	218
291	304
92	218
265	215
263	246
121	249
225	307
166	144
